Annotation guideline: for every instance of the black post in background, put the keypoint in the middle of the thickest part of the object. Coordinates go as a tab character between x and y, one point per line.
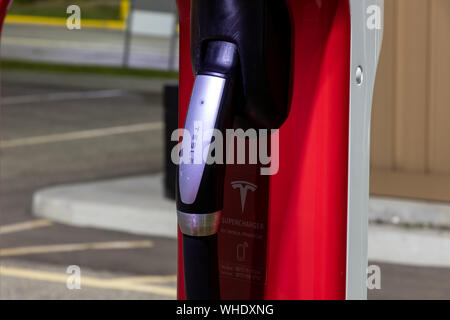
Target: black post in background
171	123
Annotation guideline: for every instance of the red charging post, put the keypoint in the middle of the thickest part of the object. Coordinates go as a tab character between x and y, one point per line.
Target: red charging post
287	235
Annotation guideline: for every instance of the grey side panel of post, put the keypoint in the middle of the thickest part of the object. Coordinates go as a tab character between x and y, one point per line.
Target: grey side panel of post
365	49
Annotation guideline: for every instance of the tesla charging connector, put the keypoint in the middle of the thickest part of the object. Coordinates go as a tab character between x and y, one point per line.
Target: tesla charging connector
200	181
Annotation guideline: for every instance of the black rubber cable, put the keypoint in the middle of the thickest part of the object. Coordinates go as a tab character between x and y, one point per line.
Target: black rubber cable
201	268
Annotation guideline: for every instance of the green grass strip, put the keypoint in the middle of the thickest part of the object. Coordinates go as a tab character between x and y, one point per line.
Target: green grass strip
8	64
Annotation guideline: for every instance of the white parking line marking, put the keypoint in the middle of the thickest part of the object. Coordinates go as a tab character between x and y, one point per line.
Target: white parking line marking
46	43
78	135
19	251
148	279
86	281
23	226
61	96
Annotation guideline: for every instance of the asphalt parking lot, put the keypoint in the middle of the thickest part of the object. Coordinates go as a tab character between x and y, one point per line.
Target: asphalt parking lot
77	135
85	46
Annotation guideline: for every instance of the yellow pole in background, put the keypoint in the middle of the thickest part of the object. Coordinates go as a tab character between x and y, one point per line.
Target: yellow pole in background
124	9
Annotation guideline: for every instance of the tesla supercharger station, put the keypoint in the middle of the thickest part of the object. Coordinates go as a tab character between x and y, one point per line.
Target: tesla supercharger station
303	70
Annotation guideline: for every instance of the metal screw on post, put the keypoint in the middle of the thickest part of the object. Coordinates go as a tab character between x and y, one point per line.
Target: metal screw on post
127	38
359	77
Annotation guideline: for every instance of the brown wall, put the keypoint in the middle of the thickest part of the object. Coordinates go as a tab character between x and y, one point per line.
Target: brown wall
411	116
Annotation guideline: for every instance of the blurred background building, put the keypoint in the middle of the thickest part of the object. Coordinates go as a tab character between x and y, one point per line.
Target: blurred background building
411	118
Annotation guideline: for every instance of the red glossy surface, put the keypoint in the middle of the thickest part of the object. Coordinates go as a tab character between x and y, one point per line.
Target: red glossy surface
186	82
3	9
307	225
304	206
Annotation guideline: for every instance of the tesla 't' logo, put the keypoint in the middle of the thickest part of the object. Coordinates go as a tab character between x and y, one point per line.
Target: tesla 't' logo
243	187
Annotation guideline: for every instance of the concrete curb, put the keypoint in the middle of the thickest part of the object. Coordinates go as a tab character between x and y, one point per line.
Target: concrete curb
410	213
133	205
399	245
136	205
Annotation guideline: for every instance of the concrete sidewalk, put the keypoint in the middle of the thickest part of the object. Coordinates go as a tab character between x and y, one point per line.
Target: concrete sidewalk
401	231
134	205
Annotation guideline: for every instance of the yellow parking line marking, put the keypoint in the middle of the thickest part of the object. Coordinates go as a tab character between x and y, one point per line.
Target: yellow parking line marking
148	279
23	226
8	252
78	135
61	22
86	281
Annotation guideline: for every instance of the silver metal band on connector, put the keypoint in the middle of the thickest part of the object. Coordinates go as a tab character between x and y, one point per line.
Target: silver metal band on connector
199	225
